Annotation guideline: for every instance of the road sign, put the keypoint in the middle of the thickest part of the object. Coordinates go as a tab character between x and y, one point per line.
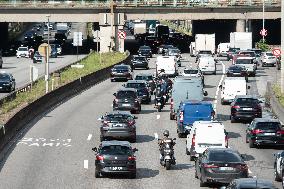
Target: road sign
263	32
121	34
276	52
77	39
42	49
33	73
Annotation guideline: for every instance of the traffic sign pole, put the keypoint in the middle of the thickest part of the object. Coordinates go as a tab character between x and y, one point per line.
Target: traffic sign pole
282	47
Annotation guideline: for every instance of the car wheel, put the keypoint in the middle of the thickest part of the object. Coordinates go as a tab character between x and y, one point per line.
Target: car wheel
147	68
195	174
251	144
186	151
102	138
98	174
1	66
180	135
222	102
172	117
132	175
202	184
192	158
133	139
276	176
233	119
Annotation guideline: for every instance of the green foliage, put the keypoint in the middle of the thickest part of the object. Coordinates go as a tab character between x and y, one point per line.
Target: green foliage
262	45
278	94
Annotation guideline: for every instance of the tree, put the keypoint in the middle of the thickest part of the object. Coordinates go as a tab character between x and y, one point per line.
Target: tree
263	45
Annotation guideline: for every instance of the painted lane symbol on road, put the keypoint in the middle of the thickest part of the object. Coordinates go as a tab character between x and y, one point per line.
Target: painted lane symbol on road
158	116
42	142
86	162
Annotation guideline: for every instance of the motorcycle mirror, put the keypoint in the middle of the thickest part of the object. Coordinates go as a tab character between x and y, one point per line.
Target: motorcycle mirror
95	149
156	136
134	149
114	94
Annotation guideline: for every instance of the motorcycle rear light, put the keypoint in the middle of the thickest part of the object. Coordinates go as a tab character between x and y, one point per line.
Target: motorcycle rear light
100	158
236	107
172	103
131	158
116	100
205	165
256	131
181	117
193	140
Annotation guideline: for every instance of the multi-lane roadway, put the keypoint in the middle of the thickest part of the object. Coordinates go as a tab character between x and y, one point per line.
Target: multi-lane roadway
55	150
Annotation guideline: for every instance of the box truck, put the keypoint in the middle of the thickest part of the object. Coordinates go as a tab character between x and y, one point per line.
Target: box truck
205	42
139	28
242	40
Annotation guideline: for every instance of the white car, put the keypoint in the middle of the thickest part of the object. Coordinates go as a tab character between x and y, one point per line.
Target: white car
203	135
267	58
22	52
207	65
249	63
193	72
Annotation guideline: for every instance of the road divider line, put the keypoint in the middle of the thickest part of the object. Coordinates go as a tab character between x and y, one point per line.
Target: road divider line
158	116
218	89
86	162
89	137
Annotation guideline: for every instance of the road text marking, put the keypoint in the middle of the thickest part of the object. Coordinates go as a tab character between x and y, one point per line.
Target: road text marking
158	116
86	162
89	137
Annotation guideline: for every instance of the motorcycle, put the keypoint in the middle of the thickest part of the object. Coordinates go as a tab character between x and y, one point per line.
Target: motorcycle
159	103
167	159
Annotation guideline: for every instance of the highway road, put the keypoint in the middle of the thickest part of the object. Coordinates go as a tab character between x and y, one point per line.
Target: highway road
20	67
51	152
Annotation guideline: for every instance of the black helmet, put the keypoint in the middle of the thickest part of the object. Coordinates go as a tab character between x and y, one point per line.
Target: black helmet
166	133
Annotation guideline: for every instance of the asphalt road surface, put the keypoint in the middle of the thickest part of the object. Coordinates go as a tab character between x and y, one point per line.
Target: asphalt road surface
55	150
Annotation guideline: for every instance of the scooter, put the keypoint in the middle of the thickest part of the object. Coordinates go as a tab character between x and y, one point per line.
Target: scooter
167	159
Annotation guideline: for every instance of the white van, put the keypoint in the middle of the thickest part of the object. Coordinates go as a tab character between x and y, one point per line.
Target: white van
231	87
169	64
205	134
222	49
192	50
207	64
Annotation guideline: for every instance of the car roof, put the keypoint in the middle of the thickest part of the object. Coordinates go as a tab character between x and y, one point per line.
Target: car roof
115	142
135	56
245	57
247	51
266	120
144	74
222	149
248	182
136	81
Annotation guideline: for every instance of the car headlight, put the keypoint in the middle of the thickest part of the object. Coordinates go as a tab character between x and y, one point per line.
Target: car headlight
6	84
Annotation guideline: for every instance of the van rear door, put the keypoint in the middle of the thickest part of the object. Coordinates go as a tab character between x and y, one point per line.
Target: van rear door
197	112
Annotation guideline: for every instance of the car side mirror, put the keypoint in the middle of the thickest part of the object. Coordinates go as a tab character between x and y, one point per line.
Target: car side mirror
220	86
248	87
95	149
114	94
205	93
134	149
162	70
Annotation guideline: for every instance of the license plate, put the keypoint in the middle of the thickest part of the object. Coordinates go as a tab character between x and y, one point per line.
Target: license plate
116	168
269	134
126	105
247	108
226	168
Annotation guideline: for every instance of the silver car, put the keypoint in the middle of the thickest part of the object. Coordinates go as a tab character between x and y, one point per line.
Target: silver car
267	58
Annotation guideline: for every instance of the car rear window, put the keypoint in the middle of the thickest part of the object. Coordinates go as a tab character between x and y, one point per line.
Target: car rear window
118	117
121	68
139	58
224	156
269	54
115	150
23	49
4	77
140	77
268	126
246	101
126	94
205	52
191	71
135	85
244	61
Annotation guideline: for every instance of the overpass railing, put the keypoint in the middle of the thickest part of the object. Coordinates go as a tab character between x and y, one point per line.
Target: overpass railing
138	3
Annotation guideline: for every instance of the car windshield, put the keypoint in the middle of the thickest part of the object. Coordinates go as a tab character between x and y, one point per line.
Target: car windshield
244	61
118	117
251	54
145	48
125	68
257	52
4	77
234	49
141	58
224	156
141	77
115	150
268	126
235	68
191	71
246	101
269	54
173	51
126	94
135	85
23	49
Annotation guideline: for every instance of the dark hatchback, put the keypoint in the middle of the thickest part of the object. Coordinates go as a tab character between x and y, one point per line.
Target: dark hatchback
251	183
127	99
7	82
118	125
37	58
142	88
145	51
121	72
231	52
264	131
237	71
149	78
115	157
139	62
245	108
220	165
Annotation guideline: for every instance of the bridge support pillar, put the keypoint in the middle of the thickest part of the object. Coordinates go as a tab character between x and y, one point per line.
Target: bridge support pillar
240	26
4	34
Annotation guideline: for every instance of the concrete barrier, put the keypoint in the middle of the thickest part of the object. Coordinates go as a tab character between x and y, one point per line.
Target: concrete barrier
51	99
273	103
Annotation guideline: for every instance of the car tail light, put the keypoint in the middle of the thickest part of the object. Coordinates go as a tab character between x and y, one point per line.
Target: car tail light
242	167
280	132
205	165
100	158
226	141
193	140
172	104
181	117
236	107
131	158
256	131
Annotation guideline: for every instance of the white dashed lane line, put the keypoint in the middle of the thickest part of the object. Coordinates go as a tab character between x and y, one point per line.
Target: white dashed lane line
220	82
158	116
86	162
89	137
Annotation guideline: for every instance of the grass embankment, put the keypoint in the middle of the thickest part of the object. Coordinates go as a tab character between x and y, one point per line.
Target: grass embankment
278	94
91	64
180	29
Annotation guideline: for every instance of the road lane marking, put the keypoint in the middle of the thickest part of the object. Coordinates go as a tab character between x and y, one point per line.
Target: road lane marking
89	137
86	162
249	171
218	89
158	116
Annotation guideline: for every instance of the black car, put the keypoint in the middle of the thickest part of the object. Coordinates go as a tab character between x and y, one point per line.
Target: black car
279	166
264	131
145	51
127	99
165	49
60	38
251	183
53	53
118	125
149	78
237	71
220	165
115	157
121	72
139	62
245	108
7	82
142	88
230	52
37	57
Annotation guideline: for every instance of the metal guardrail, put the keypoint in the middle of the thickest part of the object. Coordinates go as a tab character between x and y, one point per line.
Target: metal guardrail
137	3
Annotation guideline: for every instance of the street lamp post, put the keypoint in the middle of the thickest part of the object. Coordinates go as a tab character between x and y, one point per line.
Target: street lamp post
47	58
263	3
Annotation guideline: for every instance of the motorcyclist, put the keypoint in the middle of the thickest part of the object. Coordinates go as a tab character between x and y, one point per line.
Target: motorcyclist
161	143
160	94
